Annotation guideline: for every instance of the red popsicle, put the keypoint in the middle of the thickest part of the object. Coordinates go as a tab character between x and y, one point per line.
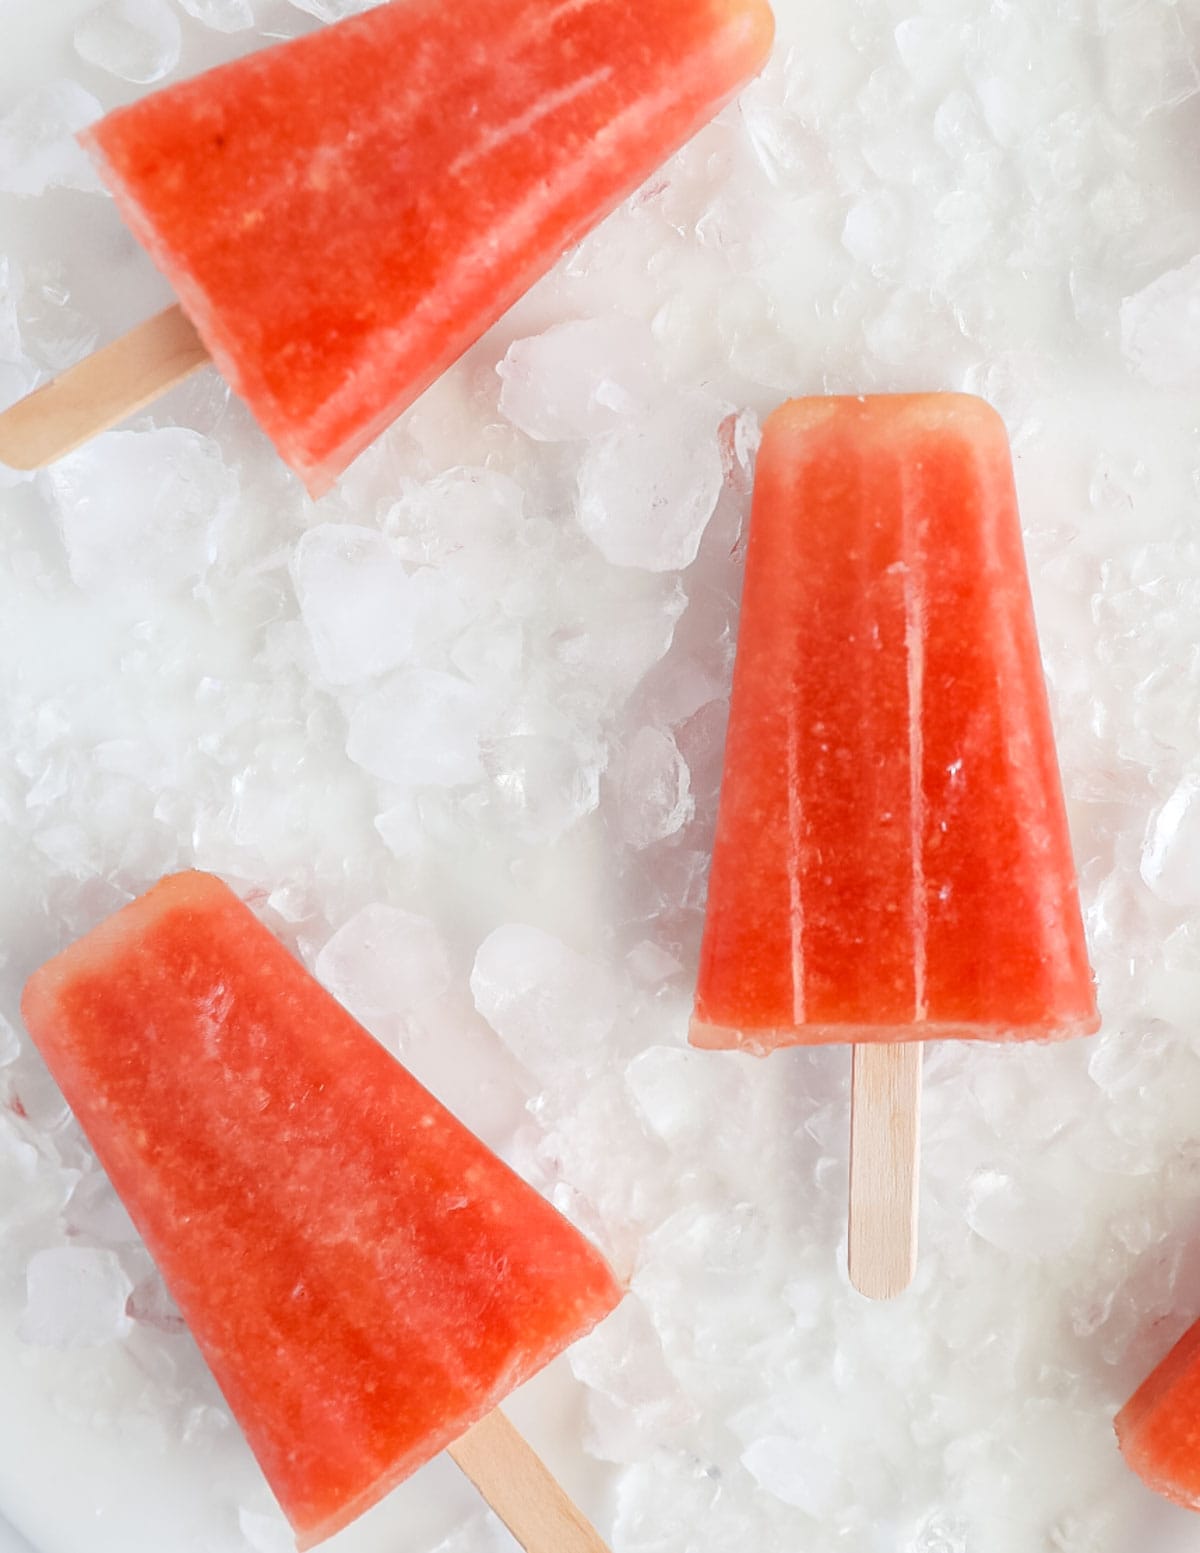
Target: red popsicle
892	860
1159	1427
365	1279
344	214
892	863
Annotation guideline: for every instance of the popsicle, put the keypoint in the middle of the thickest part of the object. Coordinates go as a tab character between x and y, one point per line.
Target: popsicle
1158	1429
364	1278
344	214
892	862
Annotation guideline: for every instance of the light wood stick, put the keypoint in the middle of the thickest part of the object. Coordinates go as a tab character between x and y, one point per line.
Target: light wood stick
101	390
885	1139
513	1479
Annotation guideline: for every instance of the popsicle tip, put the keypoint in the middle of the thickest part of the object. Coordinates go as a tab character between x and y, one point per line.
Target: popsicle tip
759	20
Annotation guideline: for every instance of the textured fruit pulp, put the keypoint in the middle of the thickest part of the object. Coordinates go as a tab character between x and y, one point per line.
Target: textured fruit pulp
892	859
344	214
363	1276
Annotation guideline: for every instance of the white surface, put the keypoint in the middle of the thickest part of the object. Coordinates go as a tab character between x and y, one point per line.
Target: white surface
935	193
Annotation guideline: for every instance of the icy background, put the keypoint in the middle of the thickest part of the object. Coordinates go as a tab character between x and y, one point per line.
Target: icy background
456	731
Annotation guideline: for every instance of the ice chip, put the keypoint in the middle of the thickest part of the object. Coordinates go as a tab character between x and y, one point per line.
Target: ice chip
798	1472
675	1088
1160	328
651	964
151	1304
10	1043
1027	1223
221	15
143	506
385	961
356	599
1149	63
874	229
266	1533
623	1366
334	10
38	149
927	46
579	379
939	1533
647	491
546	784
1171	856
550	1006
483	1533
656	796
75	1298
420	726
96	1212
137	40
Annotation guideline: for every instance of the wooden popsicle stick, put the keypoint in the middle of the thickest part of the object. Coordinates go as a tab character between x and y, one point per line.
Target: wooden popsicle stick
101	390
514	1480
885	1140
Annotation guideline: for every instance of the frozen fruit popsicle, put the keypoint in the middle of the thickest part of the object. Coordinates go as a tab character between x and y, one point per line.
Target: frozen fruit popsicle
892	861
1158	1429
365	1279
344	214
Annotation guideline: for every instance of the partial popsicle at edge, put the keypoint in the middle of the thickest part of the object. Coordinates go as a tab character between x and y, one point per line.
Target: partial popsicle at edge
892	862
365	1279
344	214
1158	1429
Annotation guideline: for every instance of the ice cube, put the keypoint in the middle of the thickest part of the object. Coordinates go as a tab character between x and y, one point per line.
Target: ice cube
75	1298
401	826
579	379
929	46
938	1533
221	15
96	1212
151	1304
137	40
655	789
651	964
550	1005
12	285
798	1472
143	507
10	1043
483	1533
546	784
634	1396
677	1089
385	961
874	231
266	1533
356	599
1160	328
55	333
38	149
1030	1222
420	726
334	10
1171	856
647	491
1149	63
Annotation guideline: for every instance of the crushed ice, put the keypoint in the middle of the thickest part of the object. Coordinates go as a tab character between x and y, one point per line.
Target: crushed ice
458	728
